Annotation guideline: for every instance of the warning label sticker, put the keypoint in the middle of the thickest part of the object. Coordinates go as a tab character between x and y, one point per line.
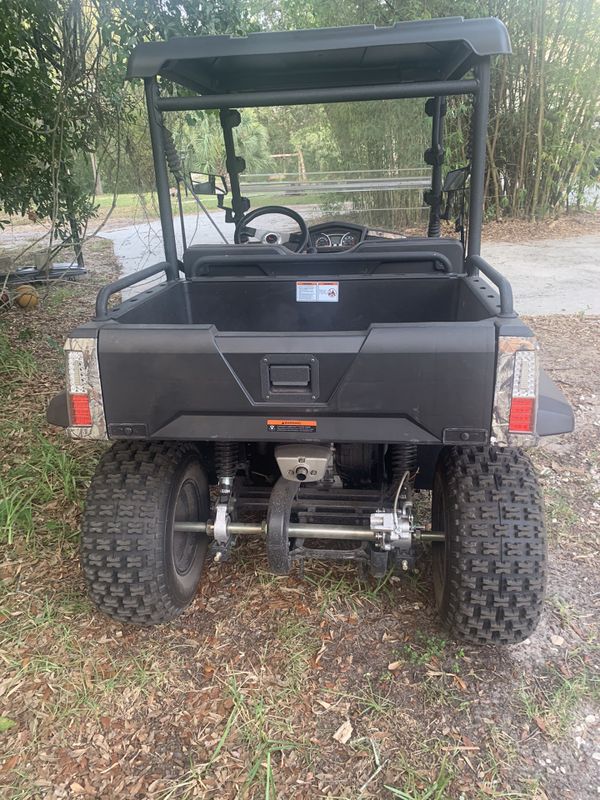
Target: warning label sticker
292	425
317	291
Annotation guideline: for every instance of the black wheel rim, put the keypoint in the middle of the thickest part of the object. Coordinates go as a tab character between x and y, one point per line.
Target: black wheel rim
188	507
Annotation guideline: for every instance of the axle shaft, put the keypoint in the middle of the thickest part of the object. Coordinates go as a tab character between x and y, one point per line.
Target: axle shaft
301	531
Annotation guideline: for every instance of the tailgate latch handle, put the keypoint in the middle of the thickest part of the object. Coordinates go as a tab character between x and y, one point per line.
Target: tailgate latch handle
289	377
292	376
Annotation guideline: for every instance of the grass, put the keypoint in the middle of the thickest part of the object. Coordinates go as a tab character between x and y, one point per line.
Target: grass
426	648
140	205
263	730
258	723
419	787
299	646
334	589
16	365
43	647
551	703
561	517
41	492
43	478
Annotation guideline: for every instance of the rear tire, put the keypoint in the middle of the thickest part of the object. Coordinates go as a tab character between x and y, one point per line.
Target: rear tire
138	569
490	574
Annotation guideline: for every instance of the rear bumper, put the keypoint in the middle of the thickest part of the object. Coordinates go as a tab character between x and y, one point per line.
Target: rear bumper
249	428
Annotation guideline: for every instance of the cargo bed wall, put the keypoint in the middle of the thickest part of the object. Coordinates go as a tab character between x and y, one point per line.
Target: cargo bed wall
272	304
398	380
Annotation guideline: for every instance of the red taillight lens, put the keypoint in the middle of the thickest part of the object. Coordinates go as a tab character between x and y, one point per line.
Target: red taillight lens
81	415
521	418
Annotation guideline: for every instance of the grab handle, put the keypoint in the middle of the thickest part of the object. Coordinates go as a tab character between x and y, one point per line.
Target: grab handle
106	292
475	264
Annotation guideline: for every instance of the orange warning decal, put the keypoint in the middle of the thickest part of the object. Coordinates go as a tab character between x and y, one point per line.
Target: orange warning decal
290	425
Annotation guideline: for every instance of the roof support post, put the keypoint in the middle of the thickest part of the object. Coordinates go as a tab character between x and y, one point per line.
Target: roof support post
480	124
162	176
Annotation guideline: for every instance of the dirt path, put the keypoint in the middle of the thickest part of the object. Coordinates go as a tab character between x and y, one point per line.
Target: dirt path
244	696
551	276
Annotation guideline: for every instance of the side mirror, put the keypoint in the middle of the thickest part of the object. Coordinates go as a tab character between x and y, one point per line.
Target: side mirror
204	183
455	180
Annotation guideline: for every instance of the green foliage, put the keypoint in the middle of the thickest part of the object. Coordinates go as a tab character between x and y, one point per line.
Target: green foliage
47	96
64	107
206	149
71	125
544	137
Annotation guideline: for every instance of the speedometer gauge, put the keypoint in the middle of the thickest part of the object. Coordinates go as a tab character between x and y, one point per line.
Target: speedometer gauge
323	240
349	240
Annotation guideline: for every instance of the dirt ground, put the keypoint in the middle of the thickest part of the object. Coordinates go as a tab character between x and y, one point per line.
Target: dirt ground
267	687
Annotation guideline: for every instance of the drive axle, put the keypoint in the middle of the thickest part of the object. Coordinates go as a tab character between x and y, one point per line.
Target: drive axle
301	531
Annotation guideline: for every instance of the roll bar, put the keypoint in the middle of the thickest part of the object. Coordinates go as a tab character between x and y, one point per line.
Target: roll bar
106	292
291	97
475	264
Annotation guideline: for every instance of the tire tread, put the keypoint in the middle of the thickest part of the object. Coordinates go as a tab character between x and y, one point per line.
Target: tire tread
123	531
497	560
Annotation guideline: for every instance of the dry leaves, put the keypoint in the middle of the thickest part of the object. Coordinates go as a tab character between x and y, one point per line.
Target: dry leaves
344	732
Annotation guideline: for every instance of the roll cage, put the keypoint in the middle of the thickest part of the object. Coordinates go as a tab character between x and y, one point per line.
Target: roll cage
433	59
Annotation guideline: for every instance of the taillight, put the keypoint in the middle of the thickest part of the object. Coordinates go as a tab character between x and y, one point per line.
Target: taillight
81	414
514	413
78	382
521	418
86	409
522	406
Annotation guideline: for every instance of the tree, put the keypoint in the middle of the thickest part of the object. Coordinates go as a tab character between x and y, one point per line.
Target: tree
544	135
63	103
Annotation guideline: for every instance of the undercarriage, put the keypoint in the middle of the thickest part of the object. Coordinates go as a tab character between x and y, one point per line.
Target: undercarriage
323	495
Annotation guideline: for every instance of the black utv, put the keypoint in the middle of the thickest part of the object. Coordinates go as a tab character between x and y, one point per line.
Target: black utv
303	387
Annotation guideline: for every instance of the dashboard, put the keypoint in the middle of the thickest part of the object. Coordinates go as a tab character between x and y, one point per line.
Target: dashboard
333	237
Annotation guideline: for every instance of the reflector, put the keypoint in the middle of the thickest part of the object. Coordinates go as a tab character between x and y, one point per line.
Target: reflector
521	418
79	406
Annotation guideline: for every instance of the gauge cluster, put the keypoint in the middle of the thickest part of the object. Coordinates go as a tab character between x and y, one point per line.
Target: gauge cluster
333	237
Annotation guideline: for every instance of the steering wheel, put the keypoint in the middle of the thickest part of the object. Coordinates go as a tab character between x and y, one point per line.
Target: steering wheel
269	236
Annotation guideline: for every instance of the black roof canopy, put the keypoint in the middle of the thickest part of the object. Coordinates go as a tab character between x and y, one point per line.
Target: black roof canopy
431	50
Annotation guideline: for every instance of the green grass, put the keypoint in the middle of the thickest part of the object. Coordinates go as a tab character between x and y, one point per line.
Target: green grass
417	787
560	515
43	479
39	490
257	723
16	364
551	704
370	699
264	731
333	589
140	206
299	645
426	648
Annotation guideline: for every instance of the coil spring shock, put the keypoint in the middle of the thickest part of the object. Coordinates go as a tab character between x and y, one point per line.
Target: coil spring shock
403	459
226	458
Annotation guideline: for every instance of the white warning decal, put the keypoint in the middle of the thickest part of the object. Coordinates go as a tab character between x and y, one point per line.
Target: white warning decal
317	291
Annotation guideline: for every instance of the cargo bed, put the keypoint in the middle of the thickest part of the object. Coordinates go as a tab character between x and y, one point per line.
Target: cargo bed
225	357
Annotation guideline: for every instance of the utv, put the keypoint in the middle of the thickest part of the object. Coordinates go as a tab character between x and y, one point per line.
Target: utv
304	388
